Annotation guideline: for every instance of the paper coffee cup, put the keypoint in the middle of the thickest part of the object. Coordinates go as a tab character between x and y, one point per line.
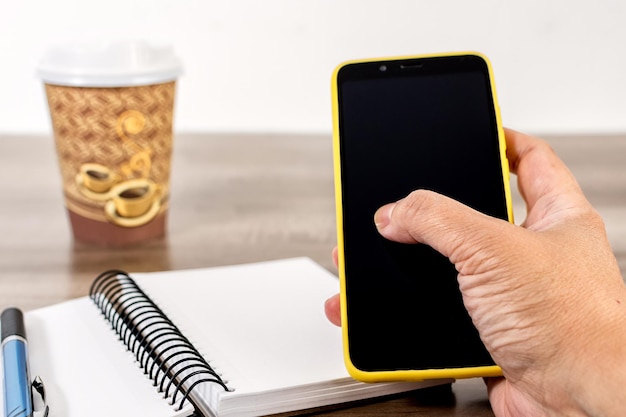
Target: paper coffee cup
112	106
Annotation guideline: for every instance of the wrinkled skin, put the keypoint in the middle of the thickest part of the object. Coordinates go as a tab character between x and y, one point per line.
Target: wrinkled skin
547	297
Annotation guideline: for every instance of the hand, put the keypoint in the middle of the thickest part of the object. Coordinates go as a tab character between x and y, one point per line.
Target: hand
547	298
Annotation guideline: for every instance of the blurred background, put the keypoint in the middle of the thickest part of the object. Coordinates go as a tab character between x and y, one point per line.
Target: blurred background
265	66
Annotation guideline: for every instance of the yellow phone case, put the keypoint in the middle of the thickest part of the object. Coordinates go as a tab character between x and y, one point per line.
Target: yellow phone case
421	374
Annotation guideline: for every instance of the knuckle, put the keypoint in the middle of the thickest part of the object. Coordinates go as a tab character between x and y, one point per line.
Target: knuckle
415	203
595	219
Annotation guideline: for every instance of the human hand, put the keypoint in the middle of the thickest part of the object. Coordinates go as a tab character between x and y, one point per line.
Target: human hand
547	298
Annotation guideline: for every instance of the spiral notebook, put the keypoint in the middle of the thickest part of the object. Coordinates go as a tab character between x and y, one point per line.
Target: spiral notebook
243	340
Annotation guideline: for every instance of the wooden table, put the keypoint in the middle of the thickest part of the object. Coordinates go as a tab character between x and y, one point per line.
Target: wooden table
236	199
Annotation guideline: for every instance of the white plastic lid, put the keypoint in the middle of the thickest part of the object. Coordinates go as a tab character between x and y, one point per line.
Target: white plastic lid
113	64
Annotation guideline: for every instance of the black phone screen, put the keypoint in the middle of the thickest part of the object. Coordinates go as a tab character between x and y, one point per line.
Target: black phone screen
426	123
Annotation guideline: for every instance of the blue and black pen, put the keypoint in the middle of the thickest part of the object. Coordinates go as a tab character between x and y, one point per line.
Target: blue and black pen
18	401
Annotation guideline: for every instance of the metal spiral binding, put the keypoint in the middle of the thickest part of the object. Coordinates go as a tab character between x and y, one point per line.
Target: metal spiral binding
166	356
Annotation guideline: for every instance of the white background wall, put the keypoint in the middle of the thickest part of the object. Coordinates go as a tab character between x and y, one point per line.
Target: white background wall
265	65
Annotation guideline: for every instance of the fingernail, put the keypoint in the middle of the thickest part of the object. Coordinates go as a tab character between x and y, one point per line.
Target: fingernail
382	217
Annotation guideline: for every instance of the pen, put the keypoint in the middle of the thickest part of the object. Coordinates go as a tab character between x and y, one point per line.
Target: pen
18	400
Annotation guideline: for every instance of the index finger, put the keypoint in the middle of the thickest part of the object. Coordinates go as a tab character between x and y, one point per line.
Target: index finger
540	172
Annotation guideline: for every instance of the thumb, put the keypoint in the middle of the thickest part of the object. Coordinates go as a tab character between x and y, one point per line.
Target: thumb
451	228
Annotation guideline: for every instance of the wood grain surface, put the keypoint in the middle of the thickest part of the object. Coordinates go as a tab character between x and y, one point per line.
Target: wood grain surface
235	199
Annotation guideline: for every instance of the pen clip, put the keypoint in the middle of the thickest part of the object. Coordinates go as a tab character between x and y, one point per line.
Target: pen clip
39	406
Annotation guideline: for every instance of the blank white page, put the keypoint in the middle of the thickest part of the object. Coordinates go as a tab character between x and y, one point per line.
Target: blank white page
86	369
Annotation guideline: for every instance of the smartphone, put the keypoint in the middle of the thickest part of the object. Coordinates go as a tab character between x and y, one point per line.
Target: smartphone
402	124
